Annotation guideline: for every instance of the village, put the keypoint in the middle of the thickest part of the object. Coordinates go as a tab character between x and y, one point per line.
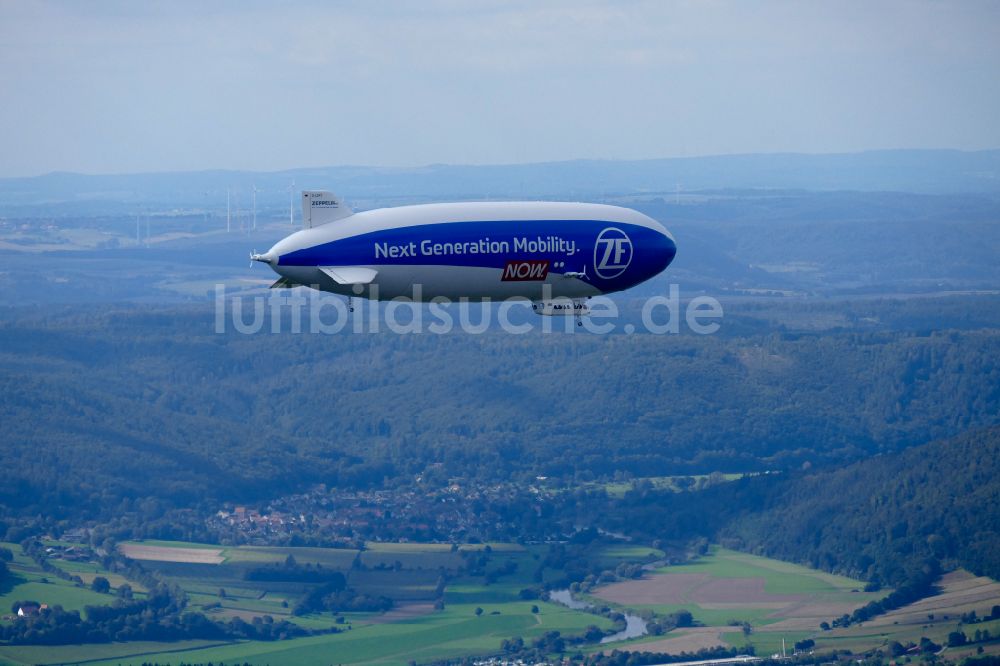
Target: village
454	513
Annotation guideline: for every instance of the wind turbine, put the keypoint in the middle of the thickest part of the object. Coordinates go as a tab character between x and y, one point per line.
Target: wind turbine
239	212
291	204
253	199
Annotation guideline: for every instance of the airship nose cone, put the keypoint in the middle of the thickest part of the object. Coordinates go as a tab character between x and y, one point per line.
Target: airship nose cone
268	257
668	249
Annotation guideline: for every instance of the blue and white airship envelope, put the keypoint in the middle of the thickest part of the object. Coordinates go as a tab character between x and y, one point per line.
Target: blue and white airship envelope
555	254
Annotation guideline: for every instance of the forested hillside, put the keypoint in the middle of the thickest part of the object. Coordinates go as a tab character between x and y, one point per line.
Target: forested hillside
880	516
884	519
150	407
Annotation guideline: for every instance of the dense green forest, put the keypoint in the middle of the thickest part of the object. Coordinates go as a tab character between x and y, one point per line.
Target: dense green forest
938	501
887	519
138	409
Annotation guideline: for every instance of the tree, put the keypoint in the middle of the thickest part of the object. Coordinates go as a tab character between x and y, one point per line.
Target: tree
515	644
17	605
928	646
957	639
100	584
479	611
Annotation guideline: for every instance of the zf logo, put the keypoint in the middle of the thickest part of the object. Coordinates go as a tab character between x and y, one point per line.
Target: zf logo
612	253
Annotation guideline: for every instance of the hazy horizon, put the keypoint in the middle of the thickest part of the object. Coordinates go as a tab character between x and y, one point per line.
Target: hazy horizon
430	165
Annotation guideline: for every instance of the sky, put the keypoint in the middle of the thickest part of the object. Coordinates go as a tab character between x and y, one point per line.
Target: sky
124	87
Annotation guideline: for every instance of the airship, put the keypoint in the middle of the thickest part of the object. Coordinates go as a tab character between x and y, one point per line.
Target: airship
554	254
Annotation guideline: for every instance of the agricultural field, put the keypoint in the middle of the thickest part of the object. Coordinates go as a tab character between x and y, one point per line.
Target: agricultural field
725	589
407	573
29	583
786	601
677	484
722	590
934	617
214	578
456	631
154	553
611	554
88	571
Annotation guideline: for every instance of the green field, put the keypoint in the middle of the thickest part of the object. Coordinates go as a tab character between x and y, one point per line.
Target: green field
334	557
28	582
87	571
862	638
934	617
410	555
178	544
614	553
780	577
779	600
788	602
725	587
618	489
408	573
454	632
122	653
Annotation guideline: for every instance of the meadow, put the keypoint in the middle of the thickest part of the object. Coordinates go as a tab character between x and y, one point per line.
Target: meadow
786	602
29	583
779	602
725	589
960	592
408	573
454	632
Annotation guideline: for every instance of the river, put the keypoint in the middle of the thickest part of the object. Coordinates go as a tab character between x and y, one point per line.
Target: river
635	626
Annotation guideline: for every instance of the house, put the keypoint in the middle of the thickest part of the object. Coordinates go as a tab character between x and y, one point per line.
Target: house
25	610
78	535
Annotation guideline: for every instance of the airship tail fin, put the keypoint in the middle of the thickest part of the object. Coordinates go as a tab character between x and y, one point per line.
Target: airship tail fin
320	207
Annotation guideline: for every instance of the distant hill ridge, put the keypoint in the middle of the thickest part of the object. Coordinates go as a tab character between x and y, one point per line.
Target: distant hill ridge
918	171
